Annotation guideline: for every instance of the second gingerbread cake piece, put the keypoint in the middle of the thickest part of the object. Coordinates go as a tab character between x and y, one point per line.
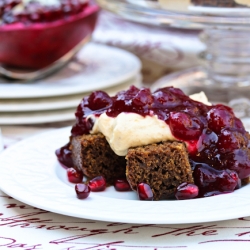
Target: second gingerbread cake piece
162	166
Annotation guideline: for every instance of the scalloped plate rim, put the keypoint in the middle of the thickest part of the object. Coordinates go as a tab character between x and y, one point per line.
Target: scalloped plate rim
126	210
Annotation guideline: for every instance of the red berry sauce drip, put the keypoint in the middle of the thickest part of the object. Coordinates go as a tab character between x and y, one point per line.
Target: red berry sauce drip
35	12
209	179
64	156
214	136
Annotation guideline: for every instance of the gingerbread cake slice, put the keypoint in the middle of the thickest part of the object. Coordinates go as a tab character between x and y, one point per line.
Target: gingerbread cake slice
93	155
163	166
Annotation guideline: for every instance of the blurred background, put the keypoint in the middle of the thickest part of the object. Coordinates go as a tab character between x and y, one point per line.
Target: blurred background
49	62
161	50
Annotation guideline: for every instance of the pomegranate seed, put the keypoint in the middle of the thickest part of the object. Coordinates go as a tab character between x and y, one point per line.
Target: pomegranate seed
145	192
97	184
82	190
186	191
74	176
122	185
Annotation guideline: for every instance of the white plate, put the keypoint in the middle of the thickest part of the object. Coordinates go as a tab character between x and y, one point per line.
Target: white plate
37	117
36	104
57	102
29	172
95	67
36	111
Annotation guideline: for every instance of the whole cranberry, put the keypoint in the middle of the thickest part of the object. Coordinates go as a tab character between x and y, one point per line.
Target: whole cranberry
230	140
163	98
142	98
128	94
184	126
99	100
220	117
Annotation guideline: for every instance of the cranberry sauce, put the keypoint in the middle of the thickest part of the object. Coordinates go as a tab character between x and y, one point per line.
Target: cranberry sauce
214	136
35	12
63	155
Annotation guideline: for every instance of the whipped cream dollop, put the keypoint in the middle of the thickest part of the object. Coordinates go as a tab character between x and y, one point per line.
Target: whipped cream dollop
129	130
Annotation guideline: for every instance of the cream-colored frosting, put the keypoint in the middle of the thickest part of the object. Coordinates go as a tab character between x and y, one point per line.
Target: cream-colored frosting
200	97
129	130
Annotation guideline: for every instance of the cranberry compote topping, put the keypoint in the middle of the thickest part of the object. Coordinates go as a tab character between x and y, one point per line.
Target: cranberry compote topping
145	192
209	179
35	12
97	184
82	190
99	100
74	176
122	185
213	135
143	99
220	117
64	156
183	125
186	191
238	160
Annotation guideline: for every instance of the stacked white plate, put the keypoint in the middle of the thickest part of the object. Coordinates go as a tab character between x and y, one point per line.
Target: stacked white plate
54	99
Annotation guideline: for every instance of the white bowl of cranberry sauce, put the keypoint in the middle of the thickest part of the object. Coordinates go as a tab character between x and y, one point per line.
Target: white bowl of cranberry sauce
217	142
34	35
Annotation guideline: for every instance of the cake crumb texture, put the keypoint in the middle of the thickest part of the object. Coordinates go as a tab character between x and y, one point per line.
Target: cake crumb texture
93	155
162	166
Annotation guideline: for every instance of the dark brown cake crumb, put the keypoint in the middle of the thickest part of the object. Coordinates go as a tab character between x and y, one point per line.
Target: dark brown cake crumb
162	166
93	155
